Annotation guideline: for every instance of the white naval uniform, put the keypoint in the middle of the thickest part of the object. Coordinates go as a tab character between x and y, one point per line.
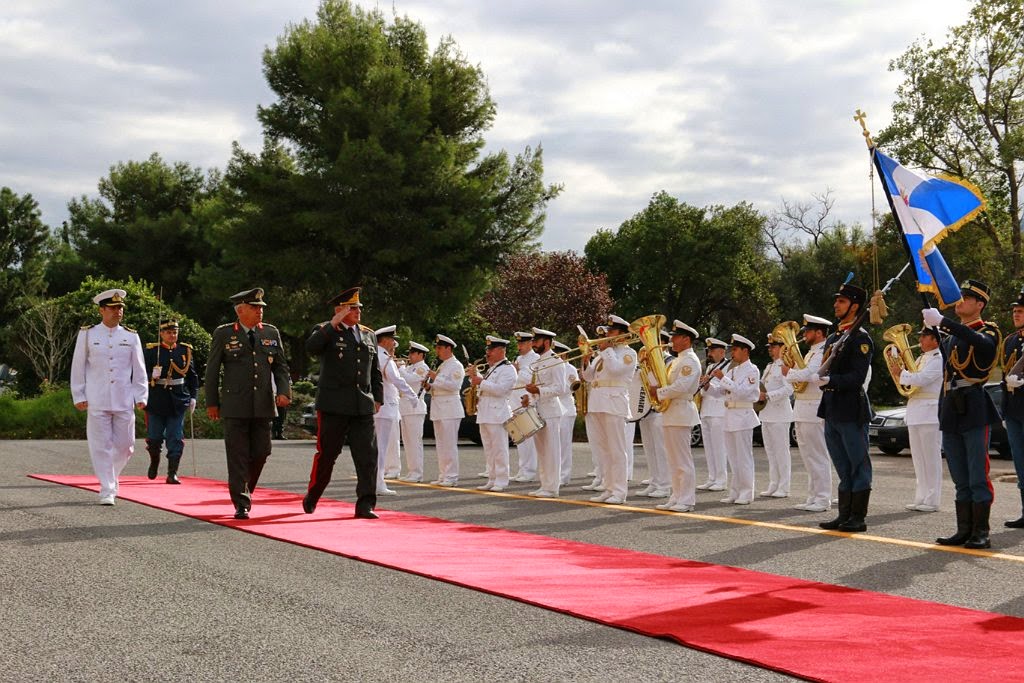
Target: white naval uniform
741	383
776	417
810	430
653	442
568	424
492	411
414	412
609	373
386	420
712	431
446	412
108	371
526	452
923	426
677	423
552	380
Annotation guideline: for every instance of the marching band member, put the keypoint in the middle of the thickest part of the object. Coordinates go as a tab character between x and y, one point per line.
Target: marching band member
595	454
527	450
607	407
776	417
810	429
414	412
568	424
741	384
923	422
966	410
659	484
446	411
712	421
493	410
386	420
1013	399
548	382
680	417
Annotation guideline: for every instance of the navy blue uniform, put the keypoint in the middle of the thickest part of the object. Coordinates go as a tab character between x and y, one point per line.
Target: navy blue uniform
170	392
844	407
1013	403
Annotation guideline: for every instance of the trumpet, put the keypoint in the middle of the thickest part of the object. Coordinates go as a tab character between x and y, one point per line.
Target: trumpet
899	356
585	347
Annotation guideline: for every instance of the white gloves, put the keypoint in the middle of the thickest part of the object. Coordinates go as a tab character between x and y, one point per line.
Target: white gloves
932	317
905	378
819	381
191	405
1014	381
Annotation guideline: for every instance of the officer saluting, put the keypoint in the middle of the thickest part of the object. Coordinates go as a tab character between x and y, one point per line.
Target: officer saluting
173	387
252	357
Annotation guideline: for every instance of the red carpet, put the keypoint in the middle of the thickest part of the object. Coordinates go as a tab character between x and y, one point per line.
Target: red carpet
811	630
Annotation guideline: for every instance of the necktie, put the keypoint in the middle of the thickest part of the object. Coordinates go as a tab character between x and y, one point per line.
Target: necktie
252	338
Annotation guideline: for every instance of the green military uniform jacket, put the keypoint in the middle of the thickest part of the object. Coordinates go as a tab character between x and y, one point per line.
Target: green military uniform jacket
350	377
246	390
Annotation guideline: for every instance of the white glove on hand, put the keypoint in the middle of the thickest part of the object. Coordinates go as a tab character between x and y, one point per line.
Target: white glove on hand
819	381
1014	381
191	405
932	317
905	378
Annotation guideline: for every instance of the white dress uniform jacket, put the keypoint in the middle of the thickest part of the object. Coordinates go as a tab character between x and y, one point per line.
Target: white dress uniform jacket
493	406
741	381
446	391
923	406
712	401
609	374
683	378
524	364
572	376
414	375
805	409
553	382
777	390
108	370
394	385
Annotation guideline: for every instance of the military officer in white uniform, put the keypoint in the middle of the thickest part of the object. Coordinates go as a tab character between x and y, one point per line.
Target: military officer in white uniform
810	429
741	384
679	419
527	450
414	411
712	420
108	380
658	482
609	373
386	420
776	417
923	422
446	411
494	387
549	384
568	424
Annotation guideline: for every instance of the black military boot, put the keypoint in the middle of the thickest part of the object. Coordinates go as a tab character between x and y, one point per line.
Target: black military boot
845	500
858	511
979	527
1019	522
963	525
153	447
172	470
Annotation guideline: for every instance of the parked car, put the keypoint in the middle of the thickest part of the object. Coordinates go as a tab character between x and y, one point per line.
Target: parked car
888	428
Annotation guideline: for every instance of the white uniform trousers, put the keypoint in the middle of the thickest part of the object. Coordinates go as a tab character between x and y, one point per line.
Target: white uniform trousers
393	457
568	424
597	453
652	434
609	437
926	452
446	436
385	427
412	436
549	455
111	436
681	472
527	454
776	448
630	437
495	443
740	449
810	440
713	436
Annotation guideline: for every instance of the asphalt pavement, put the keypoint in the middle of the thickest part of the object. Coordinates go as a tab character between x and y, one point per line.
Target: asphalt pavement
93	593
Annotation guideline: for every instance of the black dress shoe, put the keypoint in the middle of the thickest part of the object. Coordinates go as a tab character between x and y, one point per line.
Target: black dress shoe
173	478
307	505
241	513
366	514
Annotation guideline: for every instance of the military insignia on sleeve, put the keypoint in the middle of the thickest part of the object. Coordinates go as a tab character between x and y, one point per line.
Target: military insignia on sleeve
864	349
627	359
687	371
751	379
421	371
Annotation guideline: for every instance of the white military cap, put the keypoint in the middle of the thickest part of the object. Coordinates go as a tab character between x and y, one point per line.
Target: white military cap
616	320
560	346
679	327
601	329
388	331
664	334
538	332
441	339
813	320
711	342
740	340
523	336
111	297
413	346
495	341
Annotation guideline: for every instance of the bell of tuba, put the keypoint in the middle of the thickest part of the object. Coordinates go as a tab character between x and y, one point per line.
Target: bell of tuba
899	356
787	334
651	358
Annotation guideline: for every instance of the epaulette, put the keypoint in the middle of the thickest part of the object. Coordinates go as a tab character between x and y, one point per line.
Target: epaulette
186	345
269	325
364	328
128	329
152	345
221	327
86	327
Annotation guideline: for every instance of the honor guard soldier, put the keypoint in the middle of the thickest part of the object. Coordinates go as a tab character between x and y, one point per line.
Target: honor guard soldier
493	387
712	418
414	412
1012	359
680	417
923	422
173	388
108	380
568	425
966	410
810	429
776	417
526	452
740	382
386	421
446	409
349	394
547	385
255	383
844	408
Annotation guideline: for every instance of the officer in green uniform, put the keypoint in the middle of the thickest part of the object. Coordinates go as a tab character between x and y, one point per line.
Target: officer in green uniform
249	352
173	387
349	393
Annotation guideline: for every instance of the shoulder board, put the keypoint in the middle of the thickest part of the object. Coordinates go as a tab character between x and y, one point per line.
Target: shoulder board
364	328
187	346
221	327
269	325
128	329
86	327
152	345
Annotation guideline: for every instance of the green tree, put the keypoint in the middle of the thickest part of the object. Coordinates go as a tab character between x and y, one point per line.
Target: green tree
23	242
373	173
961	111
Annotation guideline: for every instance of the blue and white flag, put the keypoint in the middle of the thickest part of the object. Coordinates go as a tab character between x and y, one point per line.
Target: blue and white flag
927	209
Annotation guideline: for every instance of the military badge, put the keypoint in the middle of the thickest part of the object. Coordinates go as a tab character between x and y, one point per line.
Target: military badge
627	359
687	370
751	379
864	349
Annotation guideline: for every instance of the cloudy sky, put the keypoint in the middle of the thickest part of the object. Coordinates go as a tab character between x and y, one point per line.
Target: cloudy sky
714	102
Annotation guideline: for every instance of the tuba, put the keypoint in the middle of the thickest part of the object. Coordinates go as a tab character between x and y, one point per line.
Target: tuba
787	334
650	358
899	356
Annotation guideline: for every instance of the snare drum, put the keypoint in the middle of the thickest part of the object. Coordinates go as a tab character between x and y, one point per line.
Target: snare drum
524	423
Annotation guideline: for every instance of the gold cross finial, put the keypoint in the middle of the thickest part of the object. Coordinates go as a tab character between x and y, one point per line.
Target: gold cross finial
859	118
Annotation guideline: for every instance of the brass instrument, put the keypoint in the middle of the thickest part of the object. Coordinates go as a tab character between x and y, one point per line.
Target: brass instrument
1016	369
651	359
585	347
899	356
787	334
580	393
471	394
